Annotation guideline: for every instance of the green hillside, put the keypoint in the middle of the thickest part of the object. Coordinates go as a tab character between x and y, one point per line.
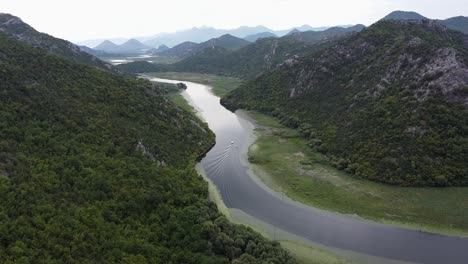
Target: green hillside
96	168
387	104
15	28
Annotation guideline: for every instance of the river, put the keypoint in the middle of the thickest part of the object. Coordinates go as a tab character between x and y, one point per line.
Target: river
226	166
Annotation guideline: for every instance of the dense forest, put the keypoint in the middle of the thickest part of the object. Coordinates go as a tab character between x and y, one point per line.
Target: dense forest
98	168
387	104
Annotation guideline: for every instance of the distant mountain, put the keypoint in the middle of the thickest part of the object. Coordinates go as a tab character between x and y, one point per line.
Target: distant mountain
389	103
255	37
15	28
133	45
202	34
93	52
404	15
95	42
187	49
459	23
160	49
107	45
315	36
295	30
182	50
227	41
130	46
247	62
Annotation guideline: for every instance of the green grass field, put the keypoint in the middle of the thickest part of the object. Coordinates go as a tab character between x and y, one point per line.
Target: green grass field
221	85
281	158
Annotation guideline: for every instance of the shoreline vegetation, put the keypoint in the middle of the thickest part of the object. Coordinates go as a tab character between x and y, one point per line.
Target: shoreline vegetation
281	159
221	85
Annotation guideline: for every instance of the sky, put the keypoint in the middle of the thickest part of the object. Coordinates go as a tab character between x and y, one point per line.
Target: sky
79	20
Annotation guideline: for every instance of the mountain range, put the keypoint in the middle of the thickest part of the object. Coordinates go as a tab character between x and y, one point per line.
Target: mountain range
255	37
246	61
389	103
201	34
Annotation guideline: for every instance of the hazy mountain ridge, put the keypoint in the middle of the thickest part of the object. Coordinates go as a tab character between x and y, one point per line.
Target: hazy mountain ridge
389	103
201	34
255	37
187	49
130	46
249	61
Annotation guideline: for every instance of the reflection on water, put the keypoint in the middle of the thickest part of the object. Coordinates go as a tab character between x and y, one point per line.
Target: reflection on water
119	61
225	166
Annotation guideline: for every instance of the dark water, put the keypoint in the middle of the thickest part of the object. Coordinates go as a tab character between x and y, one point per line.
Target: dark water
225	166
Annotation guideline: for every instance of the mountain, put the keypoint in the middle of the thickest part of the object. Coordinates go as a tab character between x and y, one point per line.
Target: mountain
130	46
187	49
316	36
92	51
99	168
459	23
404	15
15	28
160	49
227	41
389	104
249	61
255	37
96	42
182	50
133	45
107	45
293	31
202	34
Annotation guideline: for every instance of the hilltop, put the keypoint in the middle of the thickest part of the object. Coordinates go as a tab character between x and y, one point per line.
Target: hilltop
459	23
130	46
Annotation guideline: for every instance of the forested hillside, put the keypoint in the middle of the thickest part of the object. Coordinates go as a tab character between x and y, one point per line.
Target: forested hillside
388	104
96	168
15	28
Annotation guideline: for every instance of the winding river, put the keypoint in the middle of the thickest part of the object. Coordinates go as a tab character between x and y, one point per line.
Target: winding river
227	168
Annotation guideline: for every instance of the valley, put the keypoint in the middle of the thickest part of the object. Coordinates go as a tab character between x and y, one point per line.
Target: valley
276	143
226	166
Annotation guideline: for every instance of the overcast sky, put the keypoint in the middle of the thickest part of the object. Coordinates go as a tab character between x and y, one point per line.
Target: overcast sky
87	19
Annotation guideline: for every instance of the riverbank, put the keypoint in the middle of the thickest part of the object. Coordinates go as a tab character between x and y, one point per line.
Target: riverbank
238	188
220	85
284	162
304	251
